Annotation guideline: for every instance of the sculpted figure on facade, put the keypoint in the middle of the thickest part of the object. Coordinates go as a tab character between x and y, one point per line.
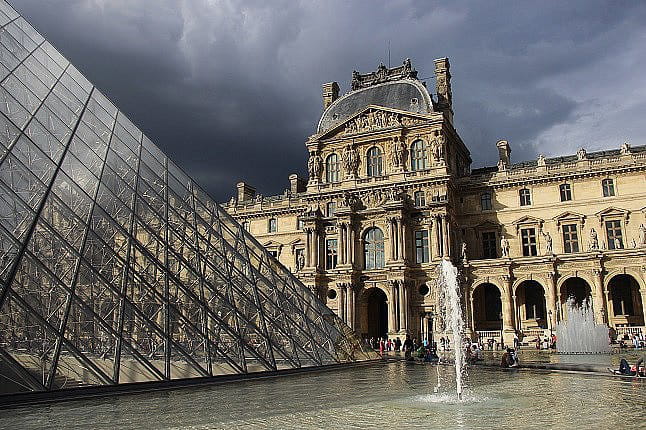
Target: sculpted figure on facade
398	153
350	160
504	247
642	235
437	148
540	161
617	243
463	253
300	261
594	240
371	121
548	243
315	166
581	154
624	149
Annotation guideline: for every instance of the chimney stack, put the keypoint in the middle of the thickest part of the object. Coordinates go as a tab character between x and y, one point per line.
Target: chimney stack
330	93
296	184
245	192
443	87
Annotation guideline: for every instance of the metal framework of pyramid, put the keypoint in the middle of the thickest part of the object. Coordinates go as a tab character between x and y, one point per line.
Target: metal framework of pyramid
115	267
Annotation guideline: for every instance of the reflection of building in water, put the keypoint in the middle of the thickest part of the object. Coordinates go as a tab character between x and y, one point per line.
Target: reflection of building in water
115	266
391	191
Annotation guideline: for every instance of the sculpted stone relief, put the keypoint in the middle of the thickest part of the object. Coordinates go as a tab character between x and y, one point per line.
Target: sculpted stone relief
315	166
437	147
350	159
372	120
398	153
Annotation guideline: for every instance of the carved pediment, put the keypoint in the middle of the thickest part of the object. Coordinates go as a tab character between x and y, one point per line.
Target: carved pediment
528	220
373	118
488	226
569	217
613	212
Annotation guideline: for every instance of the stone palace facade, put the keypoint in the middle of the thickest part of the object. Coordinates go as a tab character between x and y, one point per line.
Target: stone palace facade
391	192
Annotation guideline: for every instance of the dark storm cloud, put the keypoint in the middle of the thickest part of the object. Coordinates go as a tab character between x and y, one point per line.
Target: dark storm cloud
231	90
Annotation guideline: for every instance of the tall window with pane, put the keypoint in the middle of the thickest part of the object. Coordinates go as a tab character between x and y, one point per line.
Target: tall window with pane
373	251
489	245
374	162
272	225
528	238
570	239
331	208
332	168
331	253
608	186
485	201
613	231
421	246
525	197
420	198
566	192
418	160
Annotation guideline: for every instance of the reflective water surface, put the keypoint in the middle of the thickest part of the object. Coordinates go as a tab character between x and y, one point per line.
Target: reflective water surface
390	394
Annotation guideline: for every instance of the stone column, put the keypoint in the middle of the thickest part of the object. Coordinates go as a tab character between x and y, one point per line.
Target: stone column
340	243
551	300
392	309
449	242
517	317
392	228
342	301
351	297
429	229
642	292
444	236
436	237
507	312
308	247
402	307
351	247
599	303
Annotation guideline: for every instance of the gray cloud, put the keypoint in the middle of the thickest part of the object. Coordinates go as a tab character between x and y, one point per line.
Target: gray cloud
231	90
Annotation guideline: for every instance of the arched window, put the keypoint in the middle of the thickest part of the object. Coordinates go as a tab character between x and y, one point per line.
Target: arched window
373	250
375	161
418	155
332	168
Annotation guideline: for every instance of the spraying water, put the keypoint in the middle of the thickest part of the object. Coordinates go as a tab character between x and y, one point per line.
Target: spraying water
452	316
580	334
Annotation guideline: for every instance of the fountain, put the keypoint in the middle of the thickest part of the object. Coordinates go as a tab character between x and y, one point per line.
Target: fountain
451	311
580	334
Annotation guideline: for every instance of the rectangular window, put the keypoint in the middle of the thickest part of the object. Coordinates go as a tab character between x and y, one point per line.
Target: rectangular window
300	224
331	208
330	254
608	187
615	238
485	201
570	239
566	192
273	254
271	225
420	198
525	197
528	237
421	246
489	245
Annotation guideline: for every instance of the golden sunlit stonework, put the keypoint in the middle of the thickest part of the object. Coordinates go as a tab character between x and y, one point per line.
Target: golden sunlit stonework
391	192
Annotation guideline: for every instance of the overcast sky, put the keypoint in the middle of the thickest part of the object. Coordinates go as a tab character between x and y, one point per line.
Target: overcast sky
230	90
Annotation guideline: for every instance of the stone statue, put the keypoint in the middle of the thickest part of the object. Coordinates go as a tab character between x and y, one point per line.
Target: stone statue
438	147
356	80
407	67
350	160
441	87
233	202
617	243
502	166
540	161
504	247
594	240
463	252
300	261
624	149
642	235
548	243
581	154
398	152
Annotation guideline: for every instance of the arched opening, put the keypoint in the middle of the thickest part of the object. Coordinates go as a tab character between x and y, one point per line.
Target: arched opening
373	251
625	301
487	308
530	298
374	313
577	289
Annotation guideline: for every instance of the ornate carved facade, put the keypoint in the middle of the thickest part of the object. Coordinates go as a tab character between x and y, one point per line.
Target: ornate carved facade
391	192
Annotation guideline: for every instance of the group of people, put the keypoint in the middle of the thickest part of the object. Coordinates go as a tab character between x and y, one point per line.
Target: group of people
546	342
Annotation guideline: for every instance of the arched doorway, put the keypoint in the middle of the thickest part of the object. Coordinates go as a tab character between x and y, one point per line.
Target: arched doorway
487	308
530	298
625	301
374	313
577	289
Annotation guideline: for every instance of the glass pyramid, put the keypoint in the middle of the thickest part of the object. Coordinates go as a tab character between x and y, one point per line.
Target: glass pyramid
116	267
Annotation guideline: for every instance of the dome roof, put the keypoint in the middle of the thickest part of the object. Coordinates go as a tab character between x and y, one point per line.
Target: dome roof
408	95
